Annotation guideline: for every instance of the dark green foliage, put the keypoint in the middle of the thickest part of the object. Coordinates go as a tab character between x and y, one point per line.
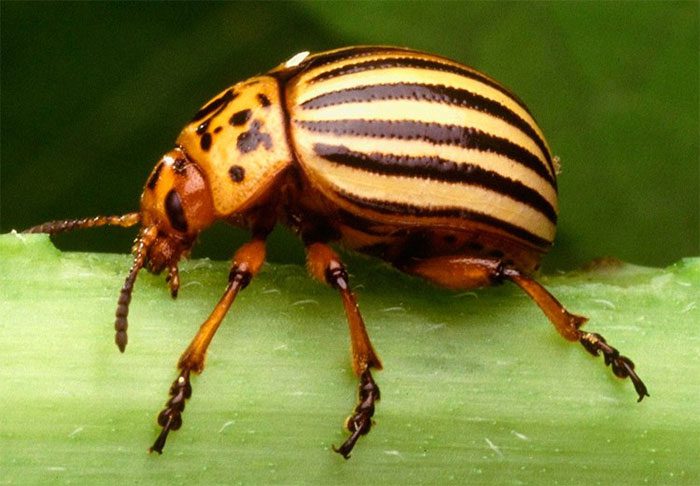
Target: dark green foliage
93	93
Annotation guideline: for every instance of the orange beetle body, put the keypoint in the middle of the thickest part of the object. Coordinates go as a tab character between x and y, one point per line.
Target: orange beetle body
410	157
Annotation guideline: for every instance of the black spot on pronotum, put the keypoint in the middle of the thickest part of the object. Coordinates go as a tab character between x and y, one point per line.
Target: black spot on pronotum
249	140
173	208
237	173
151	184
240	117
264	100
205	142
215	106
218	129
202	127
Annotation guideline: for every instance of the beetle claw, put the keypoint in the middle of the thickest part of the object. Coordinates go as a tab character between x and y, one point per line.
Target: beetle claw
173	280
360	422
170	418
622	366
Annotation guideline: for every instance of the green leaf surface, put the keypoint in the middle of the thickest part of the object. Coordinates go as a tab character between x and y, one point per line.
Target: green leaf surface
477	386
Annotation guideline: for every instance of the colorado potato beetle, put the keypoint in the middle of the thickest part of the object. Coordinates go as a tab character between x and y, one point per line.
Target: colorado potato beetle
413	158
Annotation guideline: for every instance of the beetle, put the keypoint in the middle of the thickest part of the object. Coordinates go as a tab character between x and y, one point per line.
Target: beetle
410	157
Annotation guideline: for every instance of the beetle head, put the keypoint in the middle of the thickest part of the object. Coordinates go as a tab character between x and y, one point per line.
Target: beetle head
176	205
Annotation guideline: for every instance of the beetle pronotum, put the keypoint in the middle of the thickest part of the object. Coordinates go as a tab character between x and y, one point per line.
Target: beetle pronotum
410	157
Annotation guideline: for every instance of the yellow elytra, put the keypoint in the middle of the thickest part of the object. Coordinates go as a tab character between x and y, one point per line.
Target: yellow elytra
398	138
411	157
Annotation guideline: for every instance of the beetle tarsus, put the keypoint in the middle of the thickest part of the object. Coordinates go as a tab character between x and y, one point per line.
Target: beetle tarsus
170	418
360	422
173	280
622	366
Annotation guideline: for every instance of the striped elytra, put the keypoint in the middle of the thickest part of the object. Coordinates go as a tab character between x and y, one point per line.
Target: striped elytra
397	143
410	157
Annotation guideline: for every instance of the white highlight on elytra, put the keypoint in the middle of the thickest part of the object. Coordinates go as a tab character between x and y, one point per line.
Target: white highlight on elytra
296	59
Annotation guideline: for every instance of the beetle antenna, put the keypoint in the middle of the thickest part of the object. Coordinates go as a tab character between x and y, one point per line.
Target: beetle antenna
141	245
61	226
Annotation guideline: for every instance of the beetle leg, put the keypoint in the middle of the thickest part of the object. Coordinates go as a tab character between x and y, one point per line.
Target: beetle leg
467	272
246	263
173	280
325	265
568	326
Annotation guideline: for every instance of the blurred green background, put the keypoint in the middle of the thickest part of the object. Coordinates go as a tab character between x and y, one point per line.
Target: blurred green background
93	93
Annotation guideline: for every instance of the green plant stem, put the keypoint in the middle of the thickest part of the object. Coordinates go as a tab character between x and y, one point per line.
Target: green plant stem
477	386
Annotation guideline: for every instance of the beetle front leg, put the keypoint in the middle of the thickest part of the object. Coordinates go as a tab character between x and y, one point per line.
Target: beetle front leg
325	265
173	280
246	263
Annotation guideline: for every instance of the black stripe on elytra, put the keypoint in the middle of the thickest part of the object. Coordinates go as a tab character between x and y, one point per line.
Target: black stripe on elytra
436	133
438	169
215	105
419	63
431	93
394	208
363	225
173	208
324	59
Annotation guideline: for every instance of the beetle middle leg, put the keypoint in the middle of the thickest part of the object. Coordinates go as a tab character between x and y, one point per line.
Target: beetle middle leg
325	265
467	272
246	263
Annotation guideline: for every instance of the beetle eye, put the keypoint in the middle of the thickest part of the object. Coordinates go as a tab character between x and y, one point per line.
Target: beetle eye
173	208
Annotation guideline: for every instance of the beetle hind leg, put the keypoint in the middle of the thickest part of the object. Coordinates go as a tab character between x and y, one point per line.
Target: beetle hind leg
325	265
467	272
568	326
622	366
